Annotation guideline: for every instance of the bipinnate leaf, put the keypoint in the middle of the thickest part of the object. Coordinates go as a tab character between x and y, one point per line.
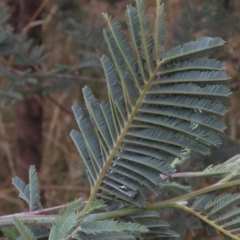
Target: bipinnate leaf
161	107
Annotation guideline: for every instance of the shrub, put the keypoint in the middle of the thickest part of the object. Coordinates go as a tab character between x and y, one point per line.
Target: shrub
161	107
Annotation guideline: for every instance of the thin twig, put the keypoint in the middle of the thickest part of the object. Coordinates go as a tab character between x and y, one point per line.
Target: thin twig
66	188
44	76
193	174
50	15
9	198
35	15
59	105
7	147
66	77
53	124
45	211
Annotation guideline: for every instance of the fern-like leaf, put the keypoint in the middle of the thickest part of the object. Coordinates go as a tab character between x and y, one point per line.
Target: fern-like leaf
224	168
96	205
34	203
95	228
218	212
109	236
24	231
22	188
200	48
161	106
67	220
157	227
30	192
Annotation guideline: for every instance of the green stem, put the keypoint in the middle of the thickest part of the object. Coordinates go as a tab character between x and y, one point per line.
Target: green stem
42	220
195	174
174	203
206	220
160	205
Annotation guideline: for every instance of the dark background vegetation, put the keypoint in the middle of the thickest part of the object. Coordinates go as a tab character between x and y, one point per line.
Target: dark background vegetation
36	130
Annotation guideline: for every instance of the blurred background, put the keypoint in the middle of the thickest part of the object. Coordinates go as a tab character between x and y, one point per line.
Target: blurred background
50	49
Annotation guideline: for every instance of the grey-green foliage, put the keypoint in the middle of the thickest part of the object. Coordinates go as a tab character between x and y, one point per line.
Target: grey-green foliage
85	36
67	220
12	234
25	231
221	209
215	17
24	53
112	230
70	225
157	228
217	210
30	192
225	168
162	105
